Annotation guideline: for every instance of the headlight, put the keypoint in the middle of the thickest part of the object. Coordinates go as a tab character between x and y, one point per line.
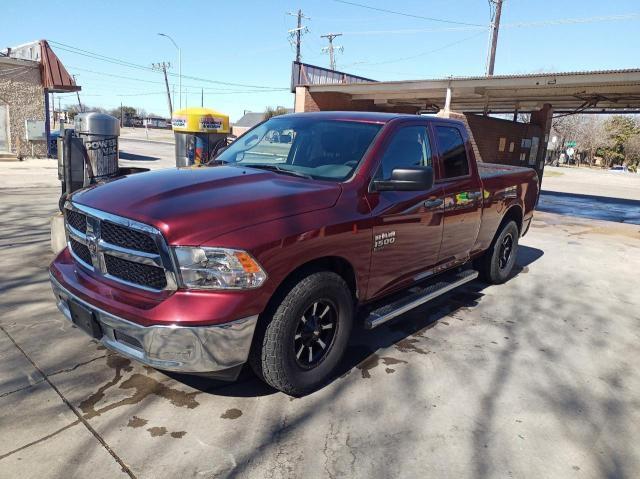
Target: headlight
218	268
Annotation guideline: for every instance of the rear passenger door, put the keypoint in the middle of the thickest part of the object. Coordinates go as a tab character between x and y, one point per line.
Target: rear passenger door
462	195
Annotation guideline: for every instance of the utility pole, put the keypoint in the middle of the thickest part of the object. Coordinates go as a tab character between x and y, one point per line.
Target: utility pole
202	97
163	66
298	32
121	125
78	94
331	49
495	27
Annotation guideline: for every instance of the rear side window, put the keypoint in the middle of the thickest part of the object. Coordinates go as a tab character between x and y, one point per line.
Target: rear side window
409	147
454	155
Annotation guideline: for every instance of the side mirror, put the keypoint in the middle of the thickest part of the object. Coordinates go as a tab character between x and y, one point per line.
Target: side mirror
419	178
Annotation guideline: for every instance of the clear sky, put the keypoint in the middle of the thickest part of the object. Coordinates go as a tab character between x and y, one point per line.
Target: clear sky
246	42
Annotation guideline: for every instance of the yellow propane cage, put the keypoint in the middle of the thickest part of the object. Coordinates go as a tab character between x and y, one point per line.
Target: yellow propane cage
198	132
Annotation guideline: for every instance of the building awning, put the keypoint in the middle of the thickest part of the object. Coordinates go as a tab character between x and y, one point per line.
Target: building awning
55	76
588	91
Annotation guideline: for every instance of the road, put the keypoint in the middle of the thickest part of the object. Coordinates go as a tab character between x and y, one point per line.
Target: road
587	193
534	378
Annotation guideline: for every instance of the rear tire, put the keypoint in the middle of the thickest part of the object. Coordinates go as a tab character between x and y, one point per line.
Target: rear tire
496	264
299	349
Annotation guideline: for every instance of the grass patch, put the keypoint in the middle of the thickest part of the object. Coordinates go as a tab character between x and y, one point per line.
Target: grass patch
549	174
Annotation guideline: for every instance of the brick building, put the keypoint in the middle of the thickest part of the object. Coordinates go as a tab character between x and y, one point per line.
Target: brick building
28	75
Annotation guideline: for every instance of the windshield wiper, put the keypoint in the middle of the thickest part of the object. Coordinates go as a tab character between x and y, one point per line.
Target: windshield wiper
217	161
277	169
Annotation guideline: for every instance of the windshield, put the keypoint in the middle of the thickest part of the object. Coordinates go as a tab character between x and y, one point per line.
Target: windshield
325	149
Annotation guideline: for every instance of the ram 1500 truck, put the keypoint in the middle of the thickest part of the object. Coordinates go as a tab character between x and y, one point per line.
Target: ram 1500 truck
266	254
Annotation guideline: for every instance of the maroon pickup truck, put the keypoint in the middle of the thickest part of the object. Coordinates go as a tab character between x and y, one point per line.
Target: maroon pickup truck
266	254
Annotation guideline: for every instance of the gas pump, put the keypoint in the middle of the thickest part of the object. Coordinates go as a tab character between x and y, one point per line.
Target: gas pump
88	154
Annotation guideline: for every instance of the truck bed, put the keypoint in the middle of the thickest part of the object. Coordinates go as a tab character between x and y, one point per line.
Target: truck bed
491	170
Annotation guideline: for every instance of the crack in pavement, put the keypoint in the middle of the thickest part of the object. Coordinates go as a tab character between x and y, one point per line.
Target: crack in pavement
60	371
81	419
42	439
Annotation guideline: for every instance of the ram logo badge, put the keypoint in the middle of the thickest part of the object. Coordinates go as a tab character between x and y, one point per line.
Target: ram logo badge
383	239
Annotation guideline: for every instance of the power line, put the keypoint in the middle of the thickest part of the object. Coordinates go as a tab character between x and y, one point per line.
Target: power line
427	52
158	82
116	61
570	21
405	31
410	15
541	23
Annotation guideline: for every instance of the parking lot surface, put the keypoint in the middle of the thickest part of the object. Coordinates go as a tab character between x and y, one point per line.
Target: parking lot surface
534	378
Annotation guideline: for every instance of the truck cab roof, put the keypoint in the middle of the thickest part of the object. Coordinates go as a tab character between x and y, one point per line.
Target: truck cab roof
365	116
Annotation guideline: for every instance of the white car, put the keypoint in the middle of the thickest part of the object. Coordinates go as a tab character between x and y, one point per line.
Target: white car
619	169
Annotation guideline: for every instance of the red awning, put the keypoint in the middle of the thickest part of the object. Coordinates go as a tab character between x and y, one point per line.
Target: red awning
55	76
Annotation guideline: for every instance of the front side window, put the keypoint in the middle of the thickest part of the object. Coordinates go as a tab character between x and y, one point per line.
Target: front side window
318	149
408	148
452	152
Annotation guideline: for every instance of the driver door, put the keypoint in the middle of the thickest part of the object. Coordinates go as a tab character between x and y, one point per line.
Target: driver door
407	225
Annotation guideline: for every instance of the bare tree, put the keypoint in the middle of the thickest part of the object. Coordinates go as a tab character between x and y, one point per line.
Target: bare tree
586	130
591	135
270	112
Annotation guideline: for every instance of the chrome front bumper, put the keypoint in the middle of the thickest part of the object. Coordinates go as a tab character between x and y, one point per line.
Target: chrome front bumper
196	349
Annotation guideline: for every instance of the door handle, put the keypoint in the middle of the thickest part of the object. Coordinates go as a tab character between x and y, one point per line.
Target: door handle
433	203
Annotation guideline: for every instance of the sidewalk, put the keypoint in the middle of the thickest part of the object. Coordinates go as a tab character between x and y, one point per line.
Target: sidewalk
150	134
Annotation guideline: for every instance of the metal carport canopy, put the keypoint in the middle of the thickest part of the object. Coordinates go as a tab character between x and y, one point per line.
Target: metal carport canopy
607	91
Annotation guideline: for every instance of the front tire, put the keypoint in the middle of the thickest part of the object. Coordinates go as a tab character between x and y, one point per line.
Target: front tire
307	336
496	264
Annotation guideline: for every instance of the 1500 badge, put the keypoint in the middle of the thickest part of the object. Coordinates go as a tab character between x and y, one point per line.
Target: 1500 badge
383	239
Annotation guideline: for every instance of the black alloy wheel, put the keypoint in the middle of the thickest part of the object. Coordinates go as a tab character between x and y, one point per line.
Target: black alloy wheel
315	333
506	248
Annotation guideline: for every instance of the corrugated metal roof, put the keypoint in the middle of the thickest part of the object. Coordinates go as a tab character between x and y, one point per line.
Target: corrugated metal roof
523	75
595	91
55	76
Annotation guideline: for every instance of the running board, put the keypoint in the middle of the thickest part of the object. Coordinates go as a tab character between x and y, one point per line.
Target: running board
391	310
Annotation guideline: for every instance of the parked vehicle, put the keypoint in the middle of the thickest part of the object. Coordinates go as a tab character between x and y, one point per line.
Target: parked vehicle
619	169
267	258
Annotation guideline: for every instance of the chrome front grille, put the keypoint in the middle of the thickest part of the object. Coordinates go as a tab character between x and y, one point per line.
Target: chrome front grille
118	248
77	220
128	238
133	272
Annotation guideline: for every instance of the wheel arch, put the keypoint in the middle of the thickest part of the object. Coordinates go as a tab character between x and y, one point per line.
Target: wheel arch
336	264
513	213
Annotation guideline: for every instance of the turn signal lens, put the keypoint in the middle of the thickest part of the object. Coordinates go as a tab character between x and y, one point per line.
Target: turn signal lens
248	263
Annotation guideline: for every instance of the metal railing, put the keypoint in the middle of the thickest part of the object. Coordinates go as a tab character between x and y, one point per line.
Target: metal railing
303	74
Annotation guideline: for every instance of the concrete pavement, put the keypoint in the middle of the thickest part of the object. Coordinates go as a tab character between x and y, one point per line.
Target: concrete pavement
534	378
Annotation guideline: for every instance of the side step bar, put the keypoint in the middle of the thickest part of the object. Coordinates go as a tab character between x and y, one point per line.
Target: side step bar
391	310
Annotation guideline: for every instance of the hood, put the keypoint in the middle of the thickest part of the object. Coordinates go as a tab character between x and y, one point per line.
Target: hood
193	205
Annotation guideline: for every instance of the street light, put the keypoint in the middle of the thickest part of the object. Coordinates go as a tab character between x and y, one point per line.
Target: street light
179	65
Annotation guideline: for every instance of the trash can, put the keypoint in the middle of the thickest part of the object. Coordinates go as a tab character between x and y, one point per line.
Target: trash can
199	133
